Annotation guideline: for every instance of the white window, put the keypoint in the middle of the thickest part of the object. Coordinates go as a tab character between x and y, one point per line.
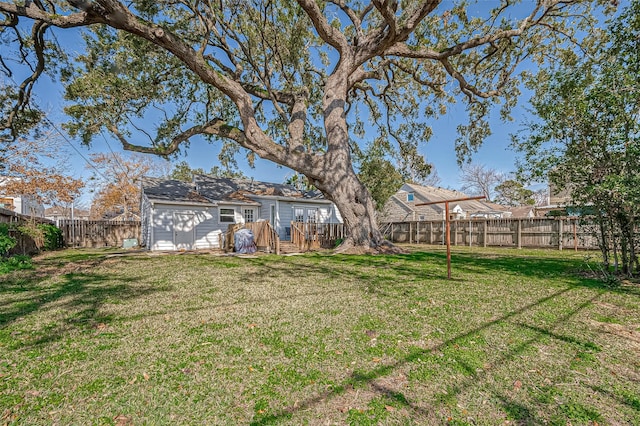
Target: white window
298	214
249	215
227	216
312	215
410	196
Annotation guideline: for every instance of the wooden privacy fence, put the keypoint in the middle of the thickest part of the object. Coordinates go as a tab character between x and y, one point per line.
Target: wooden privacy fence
557	233
24	243
98	233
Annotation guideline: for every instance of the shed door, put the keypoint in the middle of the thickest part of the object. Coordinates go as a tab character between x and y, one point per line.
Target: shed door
183	232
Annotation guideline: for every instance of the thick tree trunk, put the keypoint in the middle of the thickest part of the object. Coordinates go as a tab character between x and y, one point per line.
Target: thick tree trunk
358	213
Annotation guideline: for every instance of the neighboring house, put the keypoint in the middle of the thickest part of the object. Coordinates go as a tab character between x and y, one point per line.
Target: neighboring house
178	215
124	217
402	206
523	212
557	202
58	213
22	204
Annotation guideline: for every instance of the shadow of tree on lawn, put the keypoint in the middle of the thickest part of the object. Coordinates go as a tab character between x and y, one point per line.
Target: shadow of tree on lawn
80	295
469	264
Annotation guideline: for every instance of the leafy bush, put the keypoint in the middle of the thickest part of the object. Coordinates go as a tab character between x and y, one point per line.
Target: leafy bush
33	230
52	236
7	242
15	263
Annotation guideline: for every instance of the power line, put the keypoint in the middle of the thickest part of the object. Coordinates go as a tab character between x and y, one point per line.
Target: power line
46	119
115	157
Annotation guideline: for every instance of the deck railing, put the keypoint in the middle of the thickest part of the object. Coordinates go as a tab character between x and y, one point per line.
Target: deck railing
314	236
264	235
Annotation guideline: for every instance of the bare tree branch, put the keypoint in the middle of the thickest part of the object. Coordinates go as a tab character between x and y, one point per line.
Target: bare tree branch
31	10
332	36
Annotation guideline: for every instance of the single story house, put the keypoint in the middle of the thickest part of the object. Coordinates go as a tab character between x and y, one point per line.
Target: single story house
177	215
402	206
523	212
58	213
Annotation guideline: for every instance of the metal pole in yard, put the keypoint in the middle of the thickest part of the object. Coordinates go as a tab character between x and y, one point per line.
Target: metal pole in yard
73	228
448	226
446	209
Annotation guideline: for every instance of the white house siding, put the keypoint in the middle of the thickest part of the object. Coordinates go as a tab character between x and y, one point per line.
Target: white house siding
162	228
265	210
285	217
325	213
205	227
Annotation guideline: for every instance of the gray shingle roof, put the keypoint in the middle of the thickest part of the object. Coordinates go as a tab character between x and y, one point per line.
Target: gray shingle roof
207	189
171	190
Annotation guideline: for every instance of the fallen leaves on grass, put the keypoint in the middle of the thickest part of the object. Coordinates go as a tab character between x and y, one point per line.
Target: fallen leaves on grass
122	420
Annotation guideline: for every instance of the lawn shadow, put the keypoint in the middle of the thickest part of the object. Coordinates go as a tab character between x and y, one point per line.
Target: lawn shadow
79	295
474	377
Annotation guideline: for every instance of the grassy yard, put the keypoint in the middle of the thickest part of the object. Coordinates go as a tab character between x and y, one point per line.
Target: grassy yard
517	337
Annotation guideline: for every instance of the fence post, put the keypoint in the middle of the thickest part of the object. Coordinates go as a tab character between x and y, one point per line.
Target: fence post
410	234
560	232
455	233
484	233
430	233
519	233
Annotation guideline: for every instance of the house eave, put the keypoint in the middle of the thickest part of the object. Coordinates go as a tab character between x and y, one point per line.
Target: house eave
181	203
239	203
292	199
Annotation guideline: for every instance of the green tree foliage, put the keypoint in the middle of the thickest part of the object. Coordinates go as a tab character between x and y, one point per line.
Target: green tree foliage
294	82
182	171
513	193
587	139
378	173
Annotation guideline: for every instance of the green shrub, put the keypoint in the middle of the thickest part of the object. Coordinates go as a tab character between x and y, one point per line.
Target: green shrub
15	263
52	236
7	242
31	229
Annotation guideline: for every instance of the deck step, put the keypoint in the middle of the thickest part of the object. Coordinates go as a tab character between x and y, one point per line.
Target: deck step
287	247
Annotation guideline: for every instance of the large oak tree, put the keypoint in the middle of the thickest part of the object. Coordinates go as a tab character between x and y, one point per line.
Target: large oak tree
294	82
